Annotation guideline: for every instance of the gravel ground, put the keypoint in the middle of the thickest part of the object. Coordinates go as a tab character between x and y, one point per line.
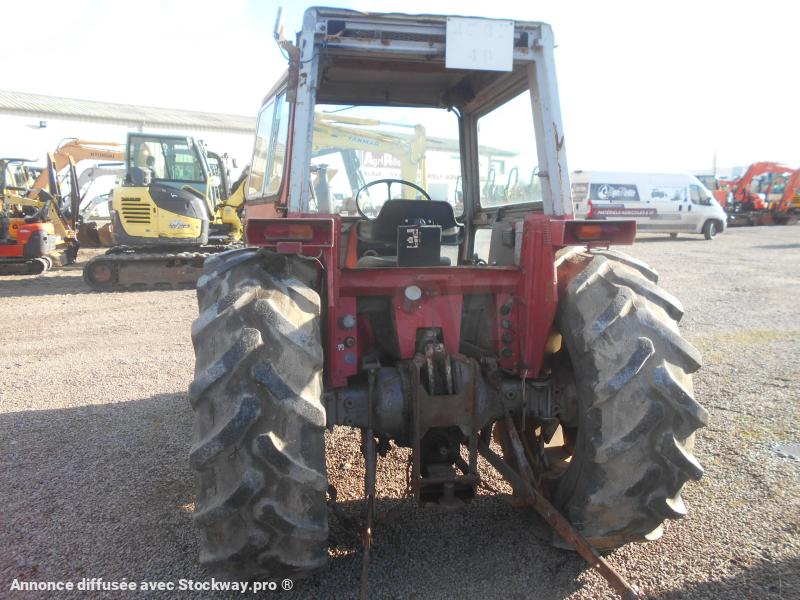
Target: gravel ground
95	426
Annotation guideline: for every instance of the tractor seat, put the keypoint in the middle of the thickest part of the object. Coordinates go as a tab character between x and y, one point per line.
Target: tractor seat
394	213
376	240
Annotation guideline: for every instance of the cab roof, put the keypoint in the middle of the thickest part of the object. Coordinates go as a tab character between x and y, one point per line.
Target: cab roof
399	59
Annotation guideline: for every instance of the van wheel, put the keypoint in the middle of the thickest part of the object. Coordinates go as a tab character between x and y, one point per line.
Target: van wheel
710	230
673	236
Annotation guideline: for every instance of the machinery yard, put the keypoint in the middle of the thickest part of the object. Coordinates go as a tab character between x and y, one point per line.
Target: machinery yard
372	335
96	425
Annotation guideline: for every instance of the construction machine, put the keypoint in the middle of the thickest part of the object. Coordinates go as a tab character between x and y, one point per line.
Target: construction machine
105	155
781	198
513	322
90	234
717	186
790	199
757	197
77	151
37	226
168	216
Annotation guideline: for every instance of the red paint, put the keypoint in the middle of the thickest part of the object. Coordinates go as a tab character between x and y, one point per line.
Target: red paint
530	290
272	232
11	250
430	311
537	292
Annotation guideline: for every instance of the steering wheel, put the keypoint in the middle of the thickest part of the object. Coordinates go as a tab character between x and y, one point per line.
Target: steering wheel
388	183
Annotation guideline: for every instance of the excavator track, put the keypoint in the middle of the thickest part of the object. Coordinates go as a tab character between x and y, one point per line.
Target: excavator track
25	266
132	270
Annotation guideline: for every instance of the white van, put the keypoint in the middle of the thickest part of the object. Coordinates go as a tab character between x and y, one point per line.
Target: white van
659	202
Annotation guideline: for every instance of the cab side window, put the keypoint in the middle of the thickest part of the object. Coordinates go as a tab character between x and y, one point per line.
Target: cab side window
269	151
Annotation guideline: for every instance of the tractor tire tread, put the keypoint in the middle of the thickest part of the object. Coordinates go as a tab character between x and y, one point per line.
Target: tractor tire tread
638	414
259	450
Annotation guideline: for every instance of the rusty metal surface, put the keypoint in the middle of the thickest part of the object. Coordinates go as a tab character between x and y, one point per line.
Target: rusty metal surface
449	399
370	462
559	523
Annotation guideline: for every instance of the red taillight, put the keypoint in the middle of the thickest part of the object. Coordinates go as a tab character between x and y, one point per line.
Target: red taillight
591	209
588	233
300	233
580	232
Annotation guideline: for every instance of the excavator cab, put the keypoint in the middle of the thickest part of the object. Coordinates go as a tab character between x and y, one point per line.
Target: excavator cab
16	174
173	161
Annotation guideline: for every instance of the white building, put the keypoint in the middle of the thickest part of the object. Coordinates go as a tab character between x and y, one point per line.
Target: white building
32	125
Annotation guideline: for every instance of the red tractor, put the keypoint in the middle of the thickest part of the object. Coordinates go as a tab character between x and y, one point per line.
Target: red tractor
509	330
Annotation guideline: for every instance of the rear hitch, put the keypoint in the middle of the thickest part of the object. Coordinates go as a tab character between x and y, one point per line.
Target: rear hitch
438	403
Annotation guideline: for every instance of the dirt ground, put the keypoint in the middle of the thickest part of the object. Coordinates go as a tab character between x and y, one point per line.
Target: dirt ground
95	428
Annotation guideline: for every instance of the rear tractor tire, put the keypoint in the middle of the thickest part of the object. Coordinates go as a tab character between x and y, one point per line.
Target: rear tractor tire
631	432
258	445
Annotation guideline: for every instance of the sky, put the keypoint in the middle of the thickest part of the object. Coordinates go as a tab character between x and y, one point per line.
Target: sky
656	86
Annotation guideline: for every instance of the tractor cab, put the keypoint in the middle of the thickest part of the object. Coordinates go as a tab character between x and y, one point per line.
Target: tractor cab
427	151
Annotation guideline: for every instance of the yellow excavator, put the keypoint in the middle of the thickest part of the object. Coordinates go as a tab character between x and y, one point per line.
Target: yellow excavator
174	209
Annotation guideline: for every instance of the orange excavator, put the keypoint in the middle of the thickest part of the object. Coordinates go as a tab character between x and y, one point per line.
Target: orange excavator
783	198
39	225
718	187
37	233
765	195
